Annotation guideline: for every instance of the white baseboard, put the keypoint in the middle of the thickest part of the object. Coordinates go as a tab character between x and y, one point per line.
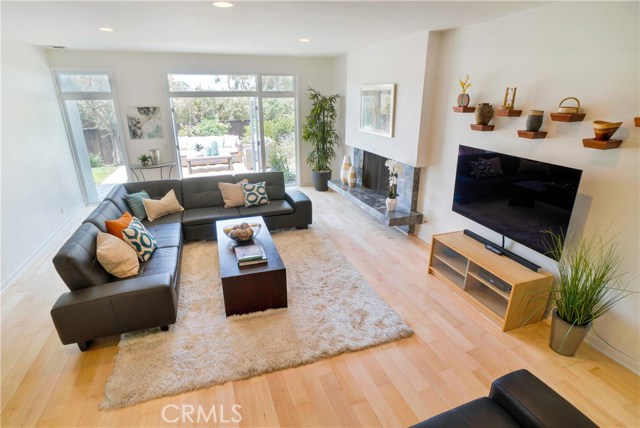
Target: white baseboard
55	236
617	356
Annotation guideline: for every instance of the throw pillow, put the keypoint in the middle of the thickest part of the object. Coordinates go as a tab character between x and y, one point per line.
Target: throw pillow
214	149
115	256
495	163
135	202
482	169
167	205
115	227
255	194
139	238
232	193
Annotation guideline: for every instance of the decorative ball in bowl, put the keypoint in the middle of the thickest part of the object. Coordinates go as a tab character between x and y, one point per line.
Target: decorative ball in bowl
242	232
604	130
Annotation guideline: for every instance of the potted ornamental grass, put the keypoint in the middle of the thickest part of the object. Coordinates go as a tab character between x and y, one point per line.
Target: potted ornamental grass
588	284
319	130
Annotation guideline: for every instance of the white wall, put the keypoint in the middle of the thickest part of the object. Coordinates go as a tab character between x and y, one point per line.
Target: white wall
40	189
141	80
585	50
401	61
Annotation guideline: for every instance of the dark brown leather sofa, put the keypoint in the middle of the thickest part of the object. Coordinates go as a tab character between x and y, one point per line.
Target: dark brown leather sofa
516	400
100	305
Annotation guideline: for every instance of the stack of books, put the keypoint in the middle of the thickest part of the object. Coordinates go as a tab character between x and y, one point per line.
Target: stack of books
250	255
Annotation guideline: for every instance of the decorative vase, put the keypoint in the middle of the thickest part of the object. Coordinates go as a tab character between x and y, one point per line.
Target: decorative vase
565	338
534	120
484	113
604	130
155	156
392	203
463	100
344	172
352	176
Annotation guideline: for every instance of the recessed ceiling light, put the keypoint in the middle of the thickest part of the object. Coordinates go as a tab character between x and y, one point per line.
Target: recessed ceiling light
107	29
304	40
222	4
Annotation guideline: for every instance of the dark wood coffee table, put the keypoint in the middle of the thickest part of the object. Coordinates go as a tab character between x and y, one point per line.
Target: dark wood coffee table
250	288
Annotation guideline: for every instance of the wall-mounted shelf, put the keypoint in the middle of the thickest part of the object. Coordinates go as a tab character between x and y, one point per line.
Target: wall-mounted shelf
508	112
531	134
505	291
475	127
568	117
460	109
636	120
601	145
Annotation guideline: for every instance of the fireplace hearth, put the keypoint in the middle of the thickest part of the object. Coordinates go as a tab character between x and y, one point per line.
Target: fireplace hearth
373	186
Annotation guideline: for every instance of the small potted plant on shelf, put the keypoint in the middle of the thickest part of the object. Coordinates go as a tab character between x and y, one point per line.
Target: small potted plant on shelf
319	130
588	284
144	159
392	197
463	98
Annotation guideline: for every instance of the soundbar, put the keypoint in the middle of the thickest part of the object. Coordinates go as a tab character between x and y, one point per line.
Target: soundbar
502	251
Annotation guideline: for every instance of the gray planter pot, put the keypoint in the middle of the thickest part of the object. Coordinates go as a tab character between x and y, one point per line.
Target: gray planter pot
320	180
566	338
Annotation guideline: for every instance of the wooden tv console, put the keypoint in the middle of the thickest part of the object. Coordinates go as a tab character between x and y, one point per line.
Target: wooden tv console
509	293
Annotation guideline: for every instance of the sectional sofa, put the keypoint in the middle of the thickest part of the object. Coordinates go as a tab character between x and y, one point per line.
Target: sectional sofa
99	304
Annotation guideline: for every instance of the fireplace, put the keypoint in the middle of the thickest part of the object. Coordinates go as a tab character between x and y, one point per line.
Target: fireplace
375	175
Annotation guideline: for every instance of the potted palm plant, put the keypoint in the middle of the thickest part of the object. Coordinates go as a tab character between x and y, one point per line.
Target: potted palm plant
319	130
588	284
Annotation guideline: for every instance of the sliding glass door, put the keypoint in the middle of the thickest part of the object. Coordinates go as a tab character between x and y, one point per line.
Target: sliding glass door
234	123
92	125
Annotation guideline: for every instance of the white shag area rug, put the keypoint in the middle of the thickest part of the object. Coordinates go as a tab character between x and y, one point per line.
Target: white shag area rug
332	309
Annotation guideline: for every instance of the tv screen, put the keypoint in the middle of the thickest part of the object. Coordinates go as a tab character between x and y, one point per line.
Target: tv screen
516	197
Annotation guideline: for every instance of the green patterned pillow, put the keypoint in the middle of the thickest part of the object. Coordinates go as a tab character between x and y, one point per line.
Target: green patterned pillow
135	202
140	239
255	194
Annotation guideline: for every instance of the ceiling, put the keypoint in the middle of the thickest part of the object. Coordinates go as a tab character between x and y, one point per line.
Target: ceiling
250	27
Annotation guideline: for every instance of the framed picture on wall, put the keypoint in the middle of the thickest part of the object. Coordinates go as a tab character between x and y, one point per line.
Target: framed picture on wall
377	105
144	122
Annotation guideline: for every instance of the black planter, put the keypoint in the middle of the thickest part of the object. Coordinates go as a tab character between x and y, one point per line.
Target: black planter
320	180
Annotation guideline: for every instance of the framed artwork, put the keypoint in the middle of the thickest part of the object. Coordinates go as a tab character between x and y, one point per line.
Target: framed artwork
144	122
377	105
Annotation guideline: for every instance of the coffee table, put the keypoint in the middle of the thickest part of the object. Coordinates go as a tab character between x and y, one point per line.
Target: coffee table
251	288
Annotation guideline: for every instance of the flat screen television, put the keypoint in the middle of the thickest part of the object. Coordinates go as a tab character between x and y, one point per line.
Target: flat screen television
516	197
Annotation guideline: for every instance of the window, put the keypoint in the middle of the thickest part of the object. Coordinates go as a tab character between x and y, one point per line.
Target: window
92	125
228	122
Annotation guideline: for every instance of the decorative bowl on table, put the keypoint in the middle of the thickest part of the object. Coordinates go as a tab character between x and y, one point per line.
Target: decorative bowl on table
604	130
242	232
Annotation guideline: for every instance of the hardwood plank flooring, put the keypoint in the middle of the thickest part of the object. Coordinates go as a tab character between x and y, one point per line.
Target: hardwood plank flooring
453	357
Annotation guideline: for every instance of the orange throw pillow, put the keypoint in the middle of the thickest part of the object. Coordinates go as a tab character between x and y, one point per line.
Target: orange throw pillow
115	227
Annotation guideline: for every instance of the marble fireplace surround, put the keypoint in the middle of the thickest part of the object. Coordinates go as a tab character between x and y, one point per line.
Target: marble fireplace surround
405	217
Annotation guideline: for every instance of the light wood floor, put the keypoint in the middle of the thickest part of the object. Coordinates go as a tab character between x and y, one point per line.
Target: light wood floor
453	357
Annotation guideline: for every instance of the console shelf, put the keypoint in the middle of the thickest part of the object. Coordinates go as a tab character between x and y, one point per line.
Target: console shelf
507	292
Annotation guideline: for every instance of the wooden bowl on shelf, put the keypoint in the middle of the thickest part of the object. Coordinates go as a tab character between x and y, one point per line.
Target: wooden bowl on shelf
604	130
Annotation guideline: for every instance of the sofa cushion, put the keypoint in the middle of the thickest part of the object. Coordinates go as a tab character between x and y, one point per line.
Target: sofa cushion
76	261
255	194
165	234
116	256
273	208
135	203
274	182
140	239
232	194
115	227
479	413
208	215
106	210
167	205
116	195
200	192
163	260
